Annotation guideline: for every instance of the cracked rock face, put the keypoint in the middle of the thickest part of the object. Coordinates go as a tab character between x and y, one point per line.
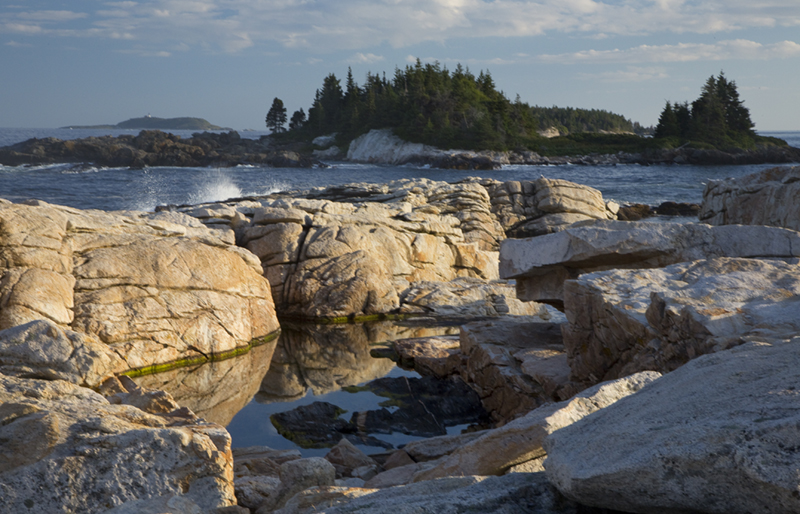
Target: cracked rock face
153	288
354	250
625	321
768	197
66	448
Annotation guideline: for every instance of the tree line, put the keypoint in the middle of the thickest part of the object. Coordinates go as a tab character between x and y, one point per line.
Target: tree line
717	118
427	103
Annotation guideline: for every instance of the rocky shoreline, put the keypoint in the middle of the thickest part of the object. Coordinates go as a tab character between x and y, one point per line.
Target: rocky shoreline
666	384
156	148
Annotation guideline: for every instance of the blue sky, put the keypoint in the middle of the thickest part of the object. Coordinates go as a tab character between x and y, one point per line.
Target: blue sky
94	61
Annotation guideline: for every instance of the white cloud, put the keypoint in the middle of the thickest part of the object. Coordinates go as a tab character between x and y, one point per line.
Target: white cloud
358	25
16	44
360	58
683	52
51	16
628	75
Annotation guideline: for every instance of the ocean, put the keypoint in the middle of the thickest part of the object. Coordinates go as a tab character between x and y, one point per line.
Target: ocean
88	187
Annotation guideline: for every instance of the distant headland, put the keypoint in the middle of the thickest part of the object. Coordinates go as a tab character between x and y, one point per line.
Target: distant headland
151	122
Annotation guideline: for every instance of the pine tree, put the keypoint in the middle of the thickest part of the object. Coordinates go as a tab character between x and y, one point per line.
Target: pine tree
668	123
298	119
276	116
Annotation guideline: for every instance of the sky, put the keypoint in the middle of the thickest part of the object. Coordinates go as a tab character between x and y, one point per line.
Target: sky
86	62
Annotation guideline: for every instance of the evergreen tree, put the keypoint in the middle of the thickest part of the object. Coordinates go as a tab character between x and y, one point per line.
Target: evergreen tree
718	117
276	116
298	119
667	123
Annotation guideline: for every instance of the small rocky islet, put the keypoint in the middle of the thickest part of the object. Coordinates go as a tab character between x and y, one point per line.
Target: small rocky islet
228	149
668	386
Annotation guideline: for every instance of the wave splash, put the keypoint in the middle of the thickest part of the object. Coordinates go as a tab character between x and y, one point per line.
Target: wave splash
214	186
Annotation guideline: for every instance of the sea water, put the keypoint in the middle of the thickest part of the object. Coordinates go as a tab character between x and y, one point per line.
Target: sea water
88	187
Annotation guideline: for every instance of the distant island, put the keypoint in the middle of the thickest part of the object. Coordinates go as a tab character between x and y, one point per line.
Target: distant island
149	122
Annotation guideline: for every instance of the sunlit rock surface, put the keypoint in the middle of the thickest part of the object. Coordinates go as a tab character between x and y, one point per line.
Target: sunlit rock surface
156	288
67	449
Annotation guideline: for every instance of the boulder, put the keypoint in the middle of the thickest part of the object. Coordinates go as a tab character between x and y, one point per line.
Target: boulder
625	321
541	265
543	206
764	198
519	441
467	298
718	434
158	289
346	458
514	364
92	456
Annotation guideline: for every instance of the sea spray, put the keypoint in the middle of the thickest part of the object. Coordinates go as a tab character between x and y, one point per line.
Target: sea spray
214	185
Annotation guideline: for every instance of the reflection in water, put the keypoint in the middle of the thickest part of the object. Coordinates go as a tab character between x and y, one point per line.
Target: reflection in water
306	364
325	358
215	391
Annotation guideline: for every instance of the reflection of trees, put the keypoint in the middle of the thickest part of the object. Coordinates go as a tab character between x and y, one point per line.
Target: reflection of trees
325	358
216	391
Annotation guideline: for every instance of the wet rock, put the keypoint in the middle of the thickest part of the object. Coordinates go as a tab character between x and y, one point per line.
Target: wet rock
153	148
92	456
634	212
718	434
678	209
429	356
425	406
317	425
764	198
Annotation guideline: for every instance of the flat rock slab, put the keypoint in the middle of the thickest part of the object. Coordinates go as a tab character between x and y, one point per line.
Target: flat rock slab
542	264
716	435
625	321
519	493
519	441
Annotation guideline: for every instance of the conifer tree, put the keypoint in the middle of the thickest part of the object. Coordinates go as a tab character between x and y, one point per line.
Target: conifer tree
298	119
276	116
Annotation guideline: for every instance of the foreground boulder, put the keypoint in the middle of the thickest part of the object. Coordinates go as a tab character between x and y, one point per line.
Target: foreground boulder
156	289
718	435
540	265
768	197
66	448
625	321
